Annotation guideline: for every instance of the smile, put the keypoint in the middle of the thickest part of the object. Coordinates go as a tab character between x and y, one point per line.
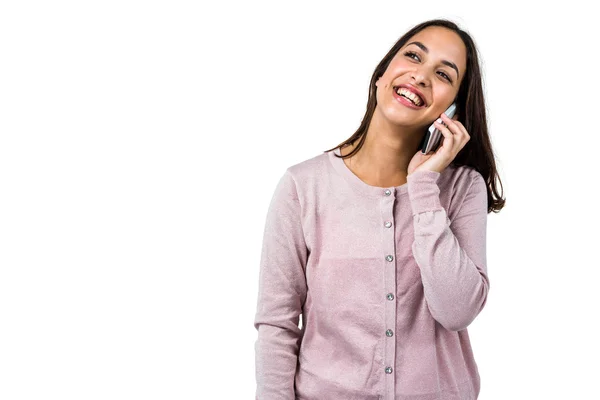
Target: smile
406	102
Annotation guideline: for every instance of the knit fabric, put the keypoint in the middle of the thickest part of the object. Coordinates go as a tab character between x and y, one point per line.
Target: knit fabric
386	280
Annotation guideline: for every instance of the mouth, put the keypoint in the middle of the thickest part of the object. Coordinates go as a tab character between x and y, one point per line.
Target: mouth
408	98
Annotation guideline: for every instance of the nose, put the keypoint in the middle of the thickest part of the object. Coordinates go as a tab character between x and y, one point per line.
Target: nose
420	77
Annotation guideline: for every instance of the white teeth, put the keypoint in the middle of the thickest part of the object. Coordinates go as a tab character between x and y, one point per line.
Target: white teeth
410	95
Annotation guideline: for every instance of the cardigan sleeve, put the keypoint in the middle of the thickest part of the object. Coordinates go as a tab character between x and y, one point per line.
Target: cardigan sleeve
451	254
281	294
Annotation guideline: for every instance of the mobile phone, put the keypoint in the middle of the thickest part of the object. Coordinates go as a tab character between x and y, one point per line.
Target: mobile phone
433	137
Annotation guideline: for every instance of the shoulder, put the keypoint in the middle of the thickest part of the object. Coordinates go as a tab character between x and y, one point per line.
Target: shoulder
306	172
463	184
460	178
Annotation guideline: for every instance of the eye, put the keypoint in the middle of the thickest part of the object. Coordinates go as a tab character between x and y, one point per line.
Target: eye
409	53
447	77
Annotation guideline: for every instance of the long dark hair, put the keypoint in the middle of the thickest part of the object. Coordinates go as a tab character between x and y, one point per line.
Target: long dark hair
477	153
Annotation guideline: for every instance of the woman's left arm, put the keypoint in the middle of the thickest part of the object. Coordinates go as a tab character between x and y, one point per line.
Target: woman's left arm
451	254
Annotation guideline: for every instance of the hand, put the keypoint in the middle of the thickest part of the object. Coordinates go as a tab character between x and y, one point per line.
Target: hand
455	136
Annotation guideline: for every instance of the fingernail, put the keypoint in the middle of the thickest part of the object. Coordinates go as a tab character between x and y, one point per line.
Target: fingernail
439	120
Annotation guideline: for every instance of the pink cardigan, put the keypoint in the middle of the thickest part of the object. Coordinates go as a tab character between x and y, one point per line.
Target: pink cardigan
387	281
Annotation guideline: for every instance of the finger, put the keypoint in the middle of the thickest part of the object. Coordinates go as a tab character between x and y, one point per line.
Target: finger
451	123
456	127
448	136
463	130
461	135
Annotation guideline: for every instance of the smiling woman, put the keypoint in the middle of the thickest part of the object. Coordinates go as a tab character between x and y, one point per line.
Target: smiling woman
437	63
380	249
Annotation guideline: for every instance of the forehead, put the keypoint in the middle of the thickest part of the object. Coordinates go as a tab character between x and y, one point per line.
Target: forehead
443	44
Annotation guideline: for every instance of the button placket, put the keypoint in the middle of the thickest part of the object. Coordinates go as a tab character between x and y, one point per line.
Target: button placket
389	272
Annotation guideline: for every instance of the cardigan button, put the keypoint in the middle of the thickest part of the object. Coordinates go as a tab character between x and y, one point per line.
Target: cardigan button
389	332
388	192
388	224
390	258
390	296
388	370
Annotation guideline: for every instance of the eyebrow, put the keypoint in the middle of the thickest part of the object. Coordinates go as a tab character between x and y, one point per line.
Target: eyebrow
445	62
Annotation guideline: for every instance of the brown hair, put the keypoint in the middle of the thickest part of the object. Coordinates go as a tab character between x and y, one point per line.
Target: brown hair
477	153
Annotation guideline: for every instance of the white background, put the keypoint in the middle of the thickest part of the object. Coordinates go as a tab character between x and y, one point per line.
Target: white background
141	143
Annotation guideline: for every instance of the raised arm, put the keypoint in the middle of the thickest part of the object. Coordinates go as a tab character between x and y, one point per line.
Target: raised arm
281	294
451	254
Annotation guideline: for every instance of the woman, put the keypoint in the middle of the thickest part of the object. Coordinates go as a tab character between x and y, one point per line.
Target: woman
380	248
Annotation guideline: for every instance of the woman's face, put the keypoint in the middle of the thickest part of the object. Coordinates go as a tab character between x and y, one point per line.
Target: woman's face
428	67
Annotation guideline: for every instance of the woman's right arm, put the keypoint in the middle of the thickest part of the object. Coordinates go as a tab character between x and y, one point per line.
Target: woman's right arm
281	294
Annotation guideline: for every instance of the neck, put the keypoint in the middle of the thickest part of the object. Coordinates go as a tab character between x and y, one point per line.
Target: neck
384	156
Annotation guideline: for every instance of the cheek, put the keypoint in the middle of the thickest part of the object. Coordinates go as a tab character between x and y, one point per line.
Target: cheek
399	67
443	93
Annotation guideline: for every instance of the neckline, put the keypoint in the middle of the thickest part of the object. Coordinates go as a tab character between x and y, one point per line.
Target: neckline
363	187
